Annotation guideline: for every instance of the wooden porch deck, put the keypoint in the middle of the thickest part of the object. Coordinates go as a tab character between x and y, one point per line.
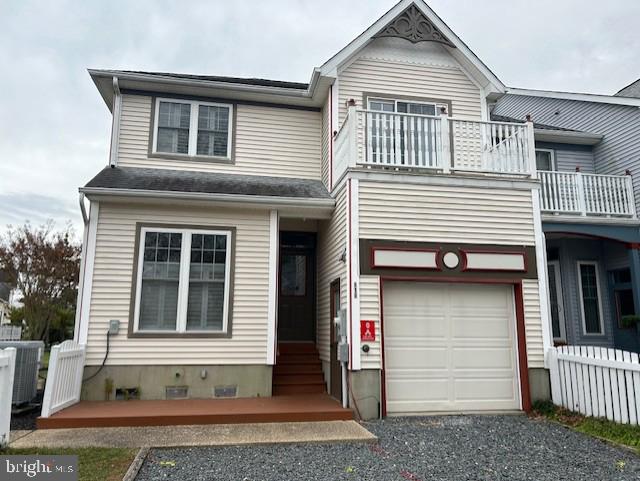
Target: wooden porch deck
312	407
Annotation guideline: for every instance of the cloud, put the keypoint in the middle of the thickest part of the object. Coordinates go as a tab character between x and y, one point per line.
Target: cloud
54	127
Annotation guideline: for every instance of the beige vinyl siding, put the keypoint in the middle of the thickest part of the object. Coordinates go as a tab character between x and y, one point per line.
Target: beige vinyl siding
370	311
332	237
425	213
431	213
396	78
111	293
533	324
274	141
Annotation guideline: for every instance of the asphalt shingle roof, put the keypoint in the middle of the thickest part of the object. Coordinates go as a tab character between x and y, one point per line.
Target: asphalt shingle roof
133	178
236	80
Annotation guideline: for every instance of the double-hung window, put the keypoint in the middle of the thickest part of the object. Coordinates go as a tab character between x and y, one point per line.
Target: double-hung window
590	300
183	280
193	128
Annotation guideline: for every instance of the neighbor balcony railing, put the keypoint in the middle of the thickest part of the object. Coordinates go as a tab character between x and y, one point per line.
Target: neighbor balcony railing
440	143
587	194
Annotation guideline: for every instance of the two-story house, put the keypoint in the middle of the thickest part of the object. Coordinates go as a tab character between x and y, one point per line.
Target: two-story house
371	233
588	155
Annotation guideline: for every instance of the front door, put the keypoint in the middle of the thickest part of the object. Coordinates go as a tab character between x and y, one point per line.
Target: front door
336	369
296	305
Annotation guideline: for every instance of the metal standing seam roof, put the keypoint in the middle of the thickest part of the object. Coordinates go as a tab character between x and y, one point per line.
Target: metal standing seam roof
164	180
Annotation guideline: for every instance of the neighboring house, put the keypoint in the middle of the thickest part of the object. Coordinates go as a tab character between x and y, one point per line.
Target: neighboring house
238	218
5	300
589	158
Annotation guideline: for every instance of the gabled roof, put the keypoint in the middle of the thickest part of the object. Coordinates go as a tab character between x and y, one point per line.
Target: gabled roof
423	24
583	97
631	90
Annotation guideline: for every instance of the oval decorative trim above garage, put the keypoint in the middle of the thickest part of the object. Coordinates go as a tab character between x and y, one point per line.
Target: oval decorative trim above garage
451	260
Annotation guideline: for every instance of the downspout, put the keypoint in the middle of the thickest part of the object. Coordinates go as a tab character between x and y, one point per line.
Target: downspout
115	124
85	235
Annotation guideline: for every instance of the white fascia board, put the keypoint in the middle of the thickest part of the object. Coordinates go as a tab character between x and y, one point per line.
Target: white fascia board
567	137
318	208
596	98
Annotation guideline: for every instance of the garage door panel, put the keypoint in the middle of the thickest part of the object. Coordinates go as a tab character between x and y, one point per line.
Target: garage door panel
410	390
486	389
416	358
449	348
482	358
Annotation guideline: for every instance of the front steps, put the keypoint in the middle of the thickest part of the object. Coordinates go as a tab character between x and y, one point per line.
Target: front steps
298	370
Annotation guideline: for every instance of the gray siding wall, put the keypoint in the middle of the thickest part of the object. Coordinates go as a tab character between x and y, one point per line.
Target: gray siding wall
619	149
570	252
568	157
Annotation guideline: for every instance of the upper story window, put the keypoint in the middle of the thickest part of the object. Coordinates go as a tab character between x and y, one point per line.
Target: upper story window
545	159
401	106
193	128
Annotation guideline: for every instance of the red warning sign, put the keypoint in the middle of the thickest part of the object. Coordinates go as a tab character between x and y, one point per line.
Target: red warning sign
367	331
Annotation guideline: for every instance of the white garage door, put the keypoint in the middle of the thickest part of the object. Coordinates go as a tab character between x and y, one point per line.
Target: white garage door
449	348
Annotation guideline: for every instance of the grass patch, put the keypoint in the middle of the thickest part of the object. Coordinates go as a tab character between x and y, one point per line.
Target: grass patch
95	464
624	434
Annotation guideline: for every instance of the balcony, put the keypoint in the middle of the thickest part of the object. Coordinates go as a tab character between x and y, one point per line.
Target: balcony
575	193
432	144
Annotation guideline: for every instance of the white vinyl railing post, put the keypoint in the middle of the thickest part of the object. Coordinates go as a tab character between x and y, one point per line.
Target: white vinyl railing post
445	141
581	197
631	195
531	148
352	131
554	374
7	371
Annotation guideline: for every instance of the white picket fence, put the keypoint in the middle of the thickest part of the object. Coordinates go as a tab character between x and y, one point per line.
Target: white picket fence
7	371
64	377
597	382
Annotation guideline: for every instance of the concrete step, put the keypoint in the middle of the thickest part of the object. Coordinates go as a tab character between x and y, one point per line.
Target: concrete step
282	379
295	389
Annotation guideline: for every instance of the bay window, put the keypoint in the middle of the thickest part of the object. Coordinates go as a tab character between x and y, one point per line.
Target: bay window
192	128
182	280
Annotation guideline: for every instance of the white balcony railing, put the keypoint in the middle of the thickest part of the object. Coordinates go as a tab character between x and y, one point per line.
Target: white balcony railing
575	193
438	143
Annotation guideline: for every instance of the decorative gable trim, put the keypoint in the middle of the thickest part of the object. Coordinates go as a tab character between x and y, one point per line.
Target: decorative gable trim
414	26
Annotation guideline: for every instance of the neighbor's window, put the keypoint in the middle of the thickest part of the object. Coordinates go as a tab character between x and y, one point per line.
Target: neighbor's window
193	128
544	159
591	304
183	280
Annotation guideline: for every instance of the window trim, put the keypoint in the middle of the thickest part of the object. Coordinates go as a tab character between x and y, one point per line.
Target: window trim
396	100
581	298
552	160
561	319
193	130
183	287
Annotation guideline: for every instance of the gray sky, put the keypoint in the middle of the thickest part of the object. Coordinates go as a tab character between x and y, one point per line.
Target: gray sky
54	127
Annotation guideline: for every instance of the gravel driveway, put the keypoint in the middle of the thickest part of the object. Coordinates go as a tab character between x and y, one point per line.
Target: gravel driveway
415	449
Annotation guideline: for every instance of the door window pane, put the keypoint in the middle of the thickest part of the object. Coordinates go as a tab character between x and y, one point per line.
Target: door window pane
293	275
590	298
554	301
160	280
207	272
173	127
